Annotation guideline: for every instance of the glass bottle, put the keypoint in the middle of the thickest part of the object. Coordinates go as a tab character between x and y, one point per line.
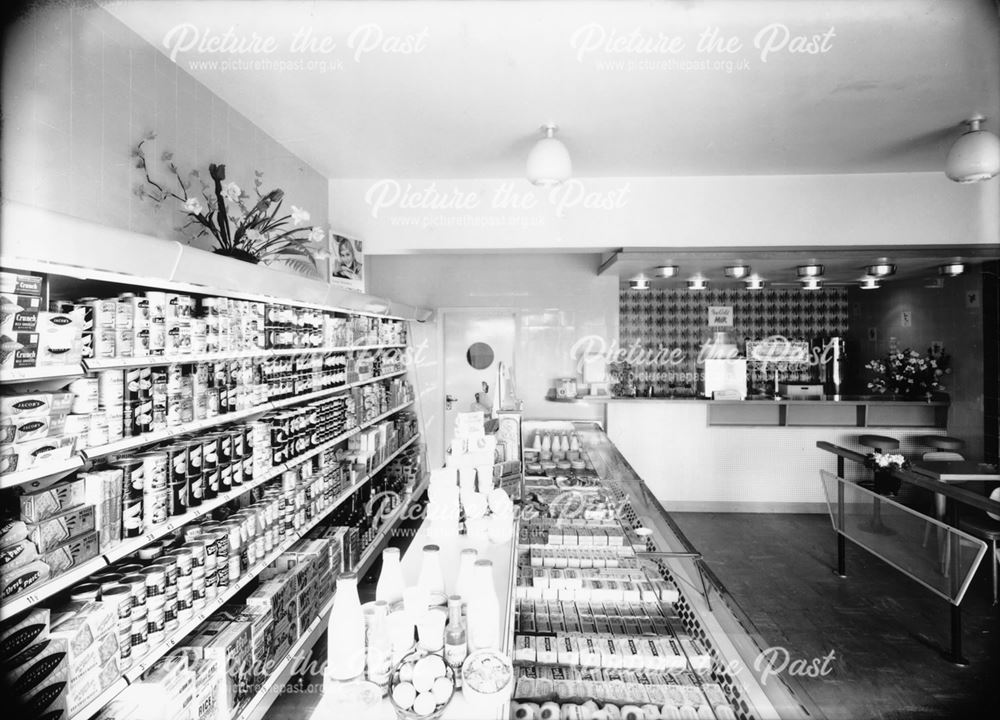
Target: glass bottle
379	653
390	580
430	578
465	580
455	645
483	609
546	442
345	635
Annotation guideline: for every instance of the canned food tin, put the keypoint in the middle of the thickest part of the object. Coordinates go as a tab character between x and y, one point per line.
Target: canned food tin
177	498
185	561
210	465
155	469
197	548
140	637
226	477
125	342
157	337
128	568
150	552
86	592
132	516
170	607
156	300
155	581
141	342
118	598
97	429
86	395
169	563
124	311
199	590
137	589
105	342
155	507
110	388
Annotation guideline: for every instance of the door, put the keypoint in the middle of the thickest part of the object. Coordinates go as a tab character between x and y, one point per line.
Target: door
475	341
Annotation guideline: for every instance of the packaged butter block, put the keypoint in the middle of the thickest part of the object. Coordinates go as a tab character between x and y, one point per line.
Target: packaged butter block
53	531
13	283
19	313
673	655
229	648
18	350
73	553
42	504
88	623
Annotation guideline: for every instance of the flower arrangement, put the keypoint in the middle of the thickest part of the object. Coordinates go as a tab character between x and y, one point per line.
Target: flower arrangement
883	464
249	228
907	372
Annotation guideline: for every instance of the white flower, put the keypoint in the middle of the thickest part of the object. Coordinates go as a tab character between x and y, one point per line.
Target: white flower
232	192
316	235
193	206
299	216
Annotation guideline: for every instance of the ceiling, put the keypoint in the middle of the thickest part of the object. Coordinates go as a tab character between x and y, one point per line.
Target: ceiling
886	94
777	267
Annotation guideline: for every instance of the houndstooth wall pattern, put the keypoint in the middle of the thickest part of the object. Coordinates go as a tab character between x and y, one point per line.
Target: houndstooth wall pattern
668	319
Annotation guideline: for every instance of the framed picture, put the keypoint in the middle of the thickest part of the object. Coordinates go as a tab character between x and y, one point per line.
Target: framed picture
347	262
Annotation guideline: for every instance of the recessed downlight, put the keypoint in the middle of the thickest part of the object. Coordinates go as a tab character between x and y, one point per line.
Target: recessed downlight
951	269
870	283
881	269
697	283
811	283
755	282
737	271
640	283
810	271
666	271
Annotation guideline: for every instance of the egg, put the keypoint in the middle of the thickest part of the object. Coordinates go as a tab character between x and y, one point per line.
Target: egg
404	694
422	681
431	665
406	672
442	690
613	712
424	704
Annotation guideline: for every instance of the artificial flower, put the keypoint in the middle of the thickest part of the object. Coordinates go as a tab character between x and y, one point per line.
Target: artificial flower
193	205
232	192
299	215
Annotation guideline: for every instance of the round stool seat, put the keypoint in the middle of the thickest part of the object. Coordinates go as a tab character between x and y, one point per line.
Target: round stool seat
942	442
879	442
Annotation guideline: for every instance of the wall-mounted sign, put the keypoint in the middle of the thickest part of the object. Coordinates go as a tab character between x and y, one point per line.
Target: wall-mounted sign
720	315
346	268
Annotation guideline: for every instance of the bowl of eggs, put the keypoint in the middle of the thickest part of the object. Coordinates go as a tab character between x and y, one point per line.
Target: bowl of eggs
421	686
487	678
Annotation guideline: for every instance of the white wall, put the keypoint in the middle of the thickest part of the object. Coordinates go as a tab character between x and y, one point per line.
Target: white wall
409	215
557	298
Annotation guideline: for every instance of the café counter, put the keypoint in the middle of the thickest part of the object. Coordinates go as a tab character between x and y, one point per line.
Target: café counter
755	455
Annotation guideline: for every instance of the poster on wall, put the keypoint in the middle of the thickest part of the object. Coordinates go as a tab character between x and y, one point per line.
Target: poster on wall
346	262
720	316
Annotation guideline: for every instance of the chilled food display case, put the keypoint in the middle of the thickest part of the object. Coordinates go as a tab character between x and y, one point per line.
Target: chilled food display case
615	607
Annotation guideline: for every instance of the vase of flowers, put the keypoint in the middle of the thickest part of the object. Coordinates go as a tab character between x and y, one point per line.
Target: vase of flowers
909	374
245	227
882	466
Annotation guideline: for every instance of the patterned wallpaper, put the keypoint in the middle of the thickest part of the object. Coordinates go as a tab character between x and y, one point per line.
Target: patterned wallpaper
677	320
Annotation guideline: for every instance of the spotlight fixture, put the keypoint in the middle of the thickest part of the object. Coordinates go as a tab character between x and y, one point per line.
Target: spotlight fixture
666	271
811	283
549	162
870	283
697	283
810	271
755	282
975	156
640	283
951	269
882	268
737	271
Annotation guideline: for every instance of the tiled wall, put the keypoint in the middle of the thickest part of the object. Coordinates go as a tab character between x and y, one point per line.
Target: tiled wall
677	320
79	89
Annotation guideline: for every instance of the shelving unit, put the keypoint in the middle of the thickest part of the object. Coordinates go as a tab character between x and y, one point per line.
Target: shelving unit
258	706
94	364
130	443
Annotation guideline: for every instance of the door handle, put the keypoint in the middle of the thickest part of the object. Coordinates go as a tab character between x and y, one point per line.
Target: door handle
449	399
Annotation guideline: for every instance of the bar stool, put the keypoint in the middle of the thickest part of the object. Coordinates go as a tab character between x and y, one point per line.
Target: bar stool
942	442
986	525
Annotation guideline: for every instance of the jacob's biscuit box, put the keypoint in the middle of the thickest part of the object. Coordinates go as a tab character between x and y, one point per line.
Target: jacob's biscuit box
35	404
52	532
42	504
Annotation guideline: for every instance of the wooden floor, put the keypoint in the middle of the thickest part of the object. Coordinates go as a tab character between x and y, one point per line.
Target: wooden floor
887	631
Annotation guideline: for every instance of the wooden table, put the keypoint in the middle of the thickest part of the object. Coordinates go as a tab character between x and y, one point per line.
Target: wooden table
957	470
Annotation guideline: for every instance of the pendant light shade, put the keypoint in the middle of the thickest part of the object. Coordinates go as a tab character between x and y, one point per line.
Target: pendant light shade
549	162
975	156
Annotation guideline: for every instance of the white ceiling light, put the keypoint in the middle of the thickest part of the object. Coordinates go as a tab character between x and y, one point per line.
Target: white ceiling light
951	269
881	269
549	162
811	283
975	156
755	282
666	271
870	283
737	271
697	283
639	283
